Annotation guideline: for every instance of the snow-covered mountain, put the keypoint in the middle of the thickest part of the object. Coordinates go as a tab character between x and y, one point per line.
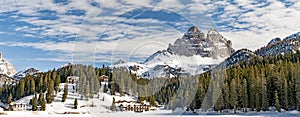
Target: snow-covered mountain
192	54
24	73
277	46
238	56
6	68
6	80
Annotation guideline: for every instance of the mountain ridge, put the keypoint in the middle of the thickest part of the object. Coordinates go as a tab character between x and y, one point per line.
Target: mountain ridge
195	46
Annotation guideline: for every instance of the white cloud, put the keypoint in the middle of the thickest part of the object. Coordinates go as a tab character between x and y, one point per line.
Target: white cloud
261	25
251	26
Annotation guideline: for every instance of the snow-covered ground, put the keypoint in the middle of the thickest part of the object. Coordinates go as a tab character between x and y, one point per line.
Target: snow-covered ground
160	113
101	108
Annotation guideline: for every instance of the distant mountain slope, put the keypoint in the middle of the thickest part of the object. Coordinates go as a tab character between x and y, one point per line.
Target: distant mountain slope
6	68
238	56
6	80
277	46
24	73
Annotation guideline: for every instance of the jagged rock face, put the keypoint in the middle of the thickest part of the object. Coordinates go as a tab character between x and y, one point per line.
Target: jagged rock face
194	42
6	68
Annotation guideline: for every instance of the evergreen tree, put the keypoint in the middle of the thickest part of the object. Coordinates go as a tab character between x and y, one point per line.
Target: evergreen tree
34	103
75	104
152	101
285	93
277	103
105	88
56	84
113	105
40	99
9	99
233	94
245	99
65	94
32	86
50	91
87	90
43	104
264	97
226	96
20	90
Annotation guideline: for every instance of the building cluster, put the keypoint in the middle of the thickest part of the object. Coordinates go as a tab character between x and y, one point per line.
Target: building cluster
135	106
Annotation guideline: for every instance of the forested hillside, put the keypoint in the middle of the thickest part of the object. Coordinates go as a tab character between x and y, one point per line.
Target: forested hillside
258	83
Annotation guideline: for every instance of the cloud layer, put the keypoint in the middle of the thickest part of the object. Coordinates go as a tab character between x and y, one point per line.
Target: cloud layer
100	31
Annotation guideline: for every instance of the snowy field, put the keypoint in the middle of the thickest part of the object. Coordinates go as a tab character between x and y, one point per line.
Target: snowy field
100	108
147	114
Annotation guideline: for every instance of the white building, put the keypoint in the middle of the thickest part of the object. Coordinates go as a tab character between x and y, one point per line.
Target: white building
72	79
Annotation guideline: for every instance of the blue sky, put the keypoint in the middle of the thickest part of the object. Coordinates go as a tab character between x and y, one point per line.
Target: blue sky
49	33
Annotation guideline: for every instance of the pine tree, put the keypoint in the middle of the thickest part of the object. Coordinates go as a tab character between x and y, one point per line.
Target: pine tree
32	86
152	101
9	99
87	90
233	94
277	103
20	90
285	93
40	99
56	84
34	103
297	87
50	90
105	88
245	94
65	94
226	96
113	105
75	104
219	105
264	97
43	104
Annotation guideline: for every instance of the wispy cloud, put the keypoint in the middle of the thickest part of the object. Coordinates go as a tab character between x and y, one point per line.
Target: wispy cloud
101	31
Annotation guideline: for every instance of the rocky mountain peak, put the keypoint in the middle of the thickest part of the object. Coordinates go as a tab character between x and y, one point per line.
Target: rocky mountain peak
194	42
193	53
194	35
6	68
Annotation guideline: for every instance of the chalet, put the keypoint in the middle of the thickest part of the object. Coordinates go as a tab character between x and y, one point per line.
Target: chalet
134	106
104	78
17	106
72	79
